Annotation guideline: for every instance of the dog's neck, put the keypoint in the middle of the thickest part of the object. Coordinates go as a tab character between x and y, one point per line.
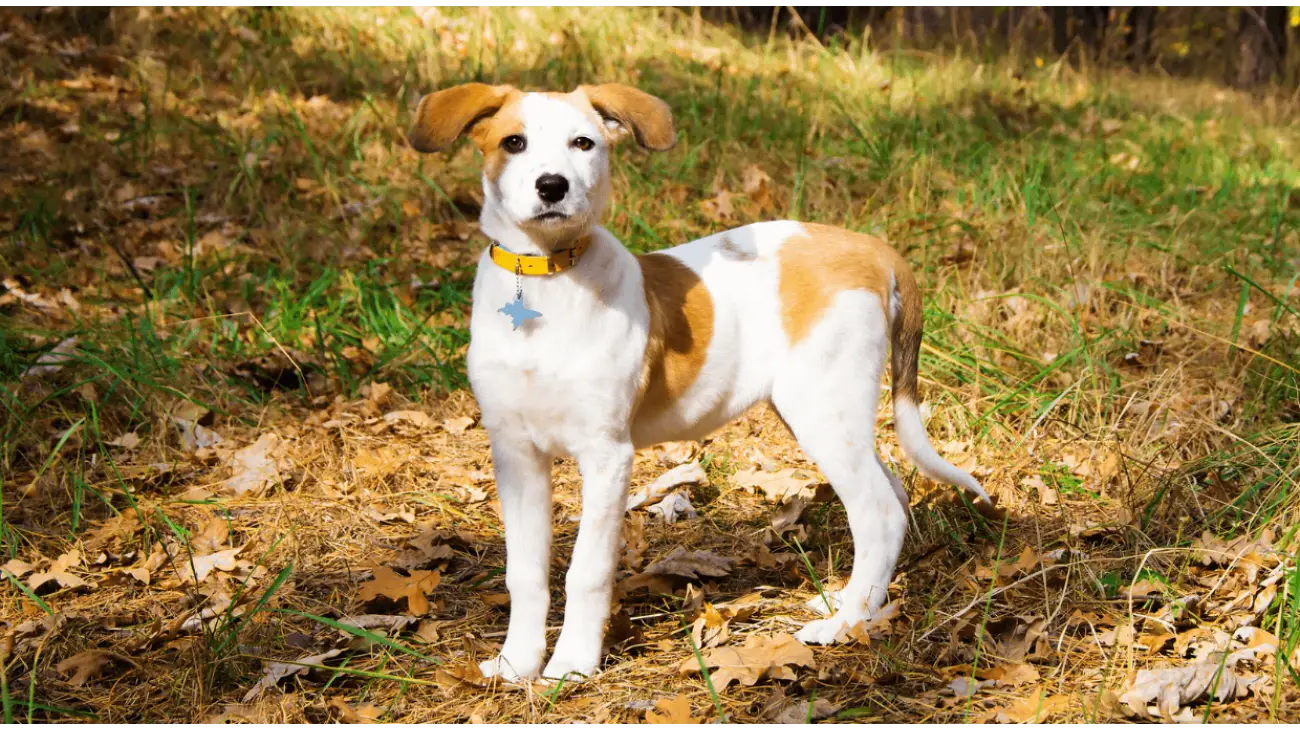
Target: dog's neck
514	239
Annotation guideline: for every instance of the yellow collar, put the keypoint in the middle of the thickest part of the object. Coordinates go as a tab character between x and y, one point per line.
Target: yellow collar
528	265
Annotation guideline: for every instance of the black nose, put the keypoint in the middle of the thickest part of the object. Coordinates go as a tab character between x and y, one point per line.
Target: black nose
552	188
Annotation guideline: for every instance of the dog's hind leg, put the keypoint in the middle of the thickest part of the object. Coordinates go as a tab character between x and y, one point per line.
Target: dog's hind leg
827	393
523	476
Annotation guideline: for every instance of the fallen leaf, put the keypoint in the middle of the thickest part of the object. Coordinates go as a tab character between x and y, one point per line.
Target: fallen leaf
364	713
759	657
635	539
719	208
209	538
460	676
88	665
672	508
378	621
878	626
54	360
799	713
58	573
1035	708
689	473
676	711
18	568
1178	687
711	628
255	466
194	436
419	419
457	425
757	185
780	486
198	568
388	514
694	565
126	441
968	686
395	586
673	453
276	671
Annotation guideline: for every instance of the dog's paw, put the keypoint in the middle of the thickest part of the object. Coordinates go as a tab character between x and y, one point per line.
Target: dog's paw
824	631
500	666
818	603
571	668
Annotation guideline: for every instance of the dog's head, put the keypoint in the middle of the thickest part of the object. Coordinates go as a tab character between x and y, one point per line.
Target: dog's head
545	155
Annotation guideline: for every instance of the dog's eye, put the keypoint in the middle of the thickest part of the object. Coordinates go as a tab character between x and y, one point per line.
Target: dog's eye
514	144
583	143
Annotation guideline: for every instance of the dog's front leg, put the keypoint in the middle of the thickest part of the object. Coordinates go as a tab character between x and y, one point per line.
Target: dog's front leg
605	472
523	476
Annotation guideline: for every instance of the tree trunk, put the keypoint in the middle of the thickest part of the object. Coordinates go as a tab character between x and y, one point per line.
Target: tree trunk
1060	28
1094	19
1261	44
1141	24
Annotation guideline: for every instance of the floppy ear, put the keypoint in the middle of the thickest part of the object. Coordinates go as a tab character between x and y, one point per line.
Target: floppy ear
647	117
445	115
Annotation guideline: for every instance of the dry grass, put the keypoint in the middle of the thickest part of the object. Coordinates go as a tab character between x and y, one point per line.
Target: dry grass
218	206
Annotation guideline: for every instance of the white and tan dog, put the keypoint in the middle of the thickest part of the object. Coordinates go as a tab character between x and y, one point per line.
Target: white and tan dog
629	351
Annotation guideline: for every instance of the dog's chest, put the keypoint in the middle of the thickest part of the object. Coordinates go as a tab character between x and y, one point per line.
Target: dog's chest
557	379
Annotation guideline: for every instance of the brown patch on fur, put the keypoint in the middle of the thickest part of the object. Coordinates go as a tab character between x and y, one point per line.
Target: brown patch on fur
681	327
829	260
488	134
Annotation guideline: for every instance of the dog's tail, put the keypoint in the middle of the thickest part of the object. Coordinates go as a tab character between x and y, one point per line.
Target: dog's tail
905	347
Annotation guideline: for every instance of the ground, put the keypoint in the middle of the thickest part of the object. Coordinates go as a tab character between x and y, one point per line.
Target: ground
237	433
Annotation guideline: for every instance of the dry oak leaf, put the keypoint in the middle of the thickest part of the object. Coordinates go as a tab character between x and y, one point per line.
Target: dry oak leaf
1035	708
689	473
635	539
453	677
276	671
198	568
419	419
696	564
364	713
393	585
255	466
126	441
17	568
780	709
88	665
759	657
1179	687
780	486
676	711
457	425
58	572
377	621
718	209
711	628
673	453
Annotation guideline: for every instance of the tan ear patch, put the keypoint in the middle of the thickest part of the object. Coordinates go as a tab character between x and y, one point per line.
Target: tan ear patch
681	328
647	117
447	114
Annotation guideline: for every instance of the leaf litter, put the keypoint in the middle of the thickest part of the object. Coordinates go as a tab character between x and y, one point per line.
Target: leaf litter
1068	487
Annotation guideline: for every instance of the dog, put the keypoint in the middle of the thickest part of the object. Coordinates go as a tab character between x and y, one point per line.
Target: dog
579	348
